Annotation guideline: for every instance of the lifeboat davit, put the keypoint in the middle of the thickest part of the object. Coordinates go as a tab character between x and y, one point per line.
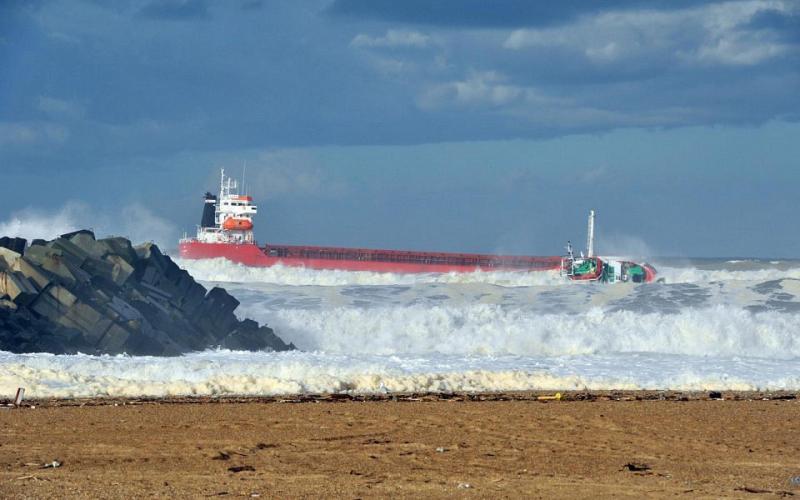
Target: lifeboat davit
232	224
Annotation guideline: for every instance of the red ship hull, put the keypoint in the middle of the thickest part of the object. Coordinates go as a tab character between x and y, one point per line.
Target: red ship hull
358	259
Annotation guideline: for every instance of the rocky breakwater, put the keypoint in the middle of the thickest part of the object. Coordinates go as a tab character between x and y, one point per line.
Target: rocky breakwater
79	294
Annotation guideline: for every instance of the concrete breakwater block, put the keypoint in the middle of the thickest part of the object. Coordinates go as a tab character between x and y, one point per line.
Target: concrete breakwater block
79	294
14	244
17	287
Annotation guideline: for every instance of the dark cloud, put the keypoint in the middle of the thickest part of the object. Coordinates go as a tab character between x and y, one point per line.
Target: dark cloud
296	78
175	10
497	13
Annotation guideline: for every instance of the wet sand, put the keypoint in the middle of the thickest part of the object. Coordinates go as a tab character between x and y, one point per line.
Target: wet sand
506	446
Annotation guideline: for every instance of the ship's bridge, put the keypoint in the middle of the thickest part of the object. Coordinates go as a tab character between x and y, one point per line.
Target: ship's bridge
233	215
237	205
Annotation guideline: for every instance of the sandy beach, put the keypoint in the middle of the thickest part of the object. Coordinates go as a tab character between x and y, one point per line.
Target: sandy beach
604	445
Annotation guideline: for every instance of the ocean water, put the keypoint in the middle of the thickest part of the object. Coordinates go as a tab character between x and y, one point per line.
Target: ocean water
712	324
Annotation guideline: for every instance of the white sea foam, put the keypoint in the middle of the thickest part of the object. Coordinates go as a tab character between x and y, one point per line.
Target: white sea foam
232	373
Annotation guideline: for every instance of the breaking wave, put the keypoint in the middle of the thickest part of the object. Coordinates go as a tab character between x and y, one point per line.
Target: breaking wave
491	330
694	275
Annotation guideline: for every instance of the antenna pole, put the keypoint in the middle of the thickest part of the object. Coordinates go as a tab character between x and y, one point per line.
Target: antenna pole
590	236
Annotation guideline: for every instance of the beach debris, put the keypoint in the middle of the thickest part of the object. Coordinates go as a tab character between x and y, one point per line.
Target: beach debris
750	489
264	446
52	465
555	397
464	486
714	395
441	449
221	456
241	468
18	397
377	441
636	467
32	476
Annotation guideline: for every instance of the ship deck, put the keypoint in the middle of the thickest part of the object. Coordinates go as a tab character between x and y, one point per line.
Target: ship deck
482	261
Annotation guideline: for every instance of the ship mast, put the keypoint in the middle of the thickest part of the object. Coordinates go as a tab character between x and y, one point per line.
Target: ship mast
590	236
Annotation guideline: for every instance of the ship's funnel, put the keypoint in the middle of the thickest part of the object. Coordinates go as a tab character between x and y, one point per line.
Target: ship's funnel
209	207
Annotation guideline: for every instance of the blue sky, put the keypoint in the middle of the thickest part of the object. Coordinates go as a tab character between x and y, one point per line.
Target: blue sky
441	124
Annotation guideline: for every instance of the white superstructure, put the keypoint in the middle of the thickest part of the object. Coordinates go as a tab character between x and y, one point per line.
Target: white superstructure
232	215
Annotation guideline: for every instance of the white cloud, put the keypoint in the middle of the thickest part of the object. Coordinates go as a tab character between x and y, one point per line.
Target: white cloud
710	34
392	39
479	88
607	52
482	89
486	87
489	91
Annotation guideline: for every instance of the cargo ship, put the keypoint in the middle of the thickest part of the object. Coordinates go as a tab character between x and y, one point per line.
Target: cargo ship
226	231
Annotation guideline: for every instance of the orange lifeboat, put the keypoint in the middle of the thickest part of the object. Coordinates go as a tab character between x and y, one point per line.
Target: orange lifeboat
232	224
